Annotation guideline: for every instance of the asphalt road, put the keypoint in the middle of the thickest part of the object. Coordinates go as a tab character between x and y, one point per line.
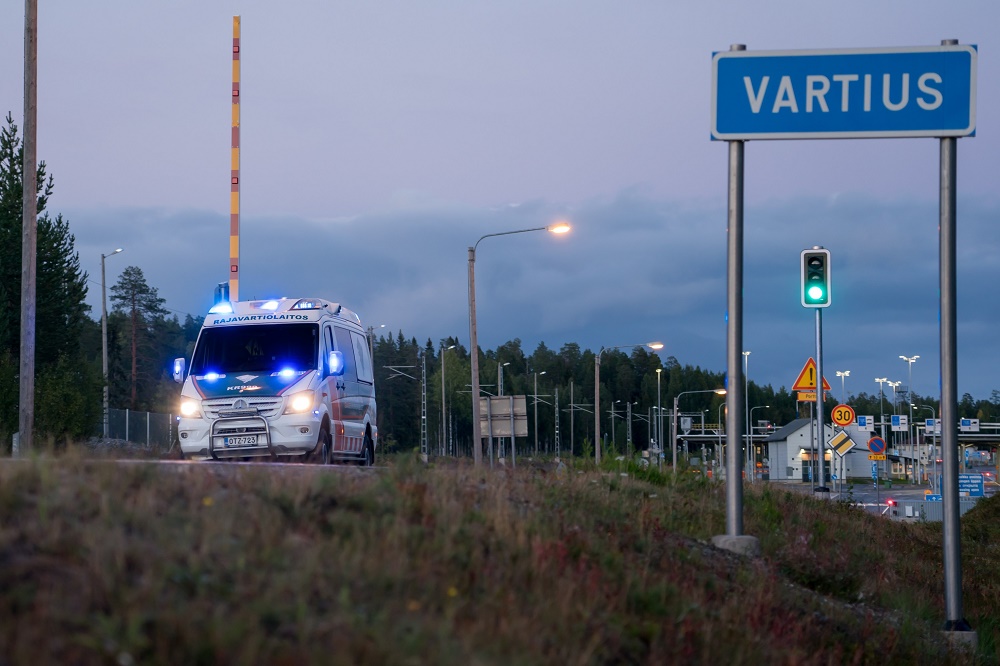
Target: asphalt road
875	500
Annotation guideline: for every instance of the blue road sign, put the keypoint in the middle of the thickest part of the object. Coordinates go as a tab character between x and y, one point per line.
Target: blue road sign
844	93
971	485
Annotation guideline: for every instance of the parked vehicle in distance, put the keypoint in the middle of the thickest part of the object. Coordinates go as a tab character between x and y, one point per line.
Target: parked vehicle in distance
281	377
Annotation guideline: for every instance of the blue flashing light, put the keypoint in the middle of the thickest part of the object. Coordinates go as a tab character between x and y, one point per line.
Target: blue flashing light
285	373
225	307
269	305
211	376
306	304
336	363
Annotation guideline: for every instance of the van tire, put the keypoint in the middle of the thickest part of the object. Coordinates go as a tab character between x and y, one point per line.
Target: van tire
367	452
324	446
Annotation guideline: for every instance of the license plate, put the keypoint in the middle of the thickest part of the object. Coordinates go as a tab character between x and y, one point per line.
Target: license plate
240	440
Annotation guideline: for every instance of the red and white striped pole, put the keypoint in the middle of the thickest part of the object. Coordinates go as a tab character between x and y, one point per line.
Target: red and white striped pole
234	196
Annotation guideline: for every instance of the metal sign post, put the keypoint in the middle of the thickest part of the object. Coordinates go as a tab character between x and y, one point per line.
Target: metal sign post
949	390
850	93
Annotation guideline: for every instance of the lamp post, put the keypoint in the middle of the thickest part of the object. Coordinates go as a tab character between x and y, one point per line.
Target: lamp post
843	391
536	408
371	342
477	452
597	392
444	415
659	420
500	367
909	424
104	337
881	415
893	386
673	430
613	422
746	403
753	466
757	407
934	442
500	449
718	454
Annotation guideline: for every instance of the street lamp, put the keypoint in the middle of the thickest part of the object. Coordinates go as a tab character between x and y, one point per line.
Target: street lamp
500	367
477	453
753	466
843	391
444	415
656	346
934	441
371	342
536	408
909	387
757	407
746	402
104	337
893	386
613	422
673	432
718	454
881	415
659	421
500	449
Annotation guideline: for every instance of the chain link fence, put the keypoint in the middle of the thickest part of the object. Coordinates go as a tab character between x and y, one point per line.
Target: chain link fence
149	430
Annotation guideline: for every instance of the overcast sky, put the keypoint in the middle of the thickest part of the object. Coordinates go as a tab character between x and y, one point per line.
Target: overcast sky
381	140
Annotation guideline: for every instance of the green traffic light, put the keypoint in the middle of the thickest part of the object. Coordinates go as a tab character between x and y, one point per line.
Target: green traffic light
816	277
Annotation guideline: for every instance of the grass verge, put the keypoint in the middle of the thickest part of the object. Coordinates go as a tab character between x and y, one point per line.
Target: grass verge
136	562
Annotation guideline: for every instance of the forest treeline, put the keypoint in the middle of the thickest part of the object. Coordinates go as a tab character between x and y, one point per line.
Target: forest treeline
627	377
144	337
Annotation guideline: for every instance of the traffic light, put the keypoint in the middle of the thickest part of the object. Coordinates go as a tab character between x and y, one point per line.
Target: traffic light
816	278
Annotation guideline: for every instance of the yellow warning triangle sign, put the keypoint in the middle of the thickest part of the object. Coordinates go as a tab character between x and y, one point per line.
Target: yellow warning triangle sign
807	378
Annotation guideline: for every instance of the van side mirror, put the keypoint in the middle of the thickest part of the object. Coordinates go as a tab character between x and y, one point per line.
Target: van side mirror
335	363
179	367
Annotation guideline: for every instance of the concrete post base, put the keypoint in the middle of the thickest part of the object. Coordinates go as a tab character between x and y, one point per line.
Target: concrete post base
743	544
961	638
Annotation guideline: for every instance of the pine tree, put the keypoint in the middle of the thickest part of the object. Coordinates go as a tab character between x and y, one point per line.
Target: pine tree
144	310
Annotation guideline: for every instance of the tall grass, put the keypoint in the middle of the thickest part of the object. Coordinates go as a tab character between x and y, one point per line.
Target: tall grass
134	562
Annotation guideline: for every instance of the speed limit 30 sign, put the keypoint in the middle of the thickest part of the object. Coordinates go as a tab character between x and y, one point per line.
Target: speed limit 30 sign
843	415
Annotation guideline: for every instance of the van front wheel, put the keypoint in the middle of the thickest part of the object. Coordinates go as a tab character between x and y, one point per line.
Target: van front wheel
368	452
325	454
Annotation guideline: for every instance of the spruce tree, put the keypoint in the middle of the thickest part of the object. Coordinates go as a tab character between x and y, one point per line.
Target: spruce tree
61	288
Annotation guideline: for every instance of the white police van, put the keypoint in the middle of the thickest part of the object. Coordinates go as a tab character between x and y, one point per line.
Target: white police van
283	377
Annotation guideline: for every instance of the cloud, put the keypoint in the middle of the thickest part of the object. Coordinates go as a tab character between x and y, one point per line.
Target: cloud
634	268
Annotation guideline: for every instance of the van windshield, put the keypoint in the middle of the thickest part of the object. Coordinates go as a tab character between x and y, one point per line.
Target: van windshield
256	348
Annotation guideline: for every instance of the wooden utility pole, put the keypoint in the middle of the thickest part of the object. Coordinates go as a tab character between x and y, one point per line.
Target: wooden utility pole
26	412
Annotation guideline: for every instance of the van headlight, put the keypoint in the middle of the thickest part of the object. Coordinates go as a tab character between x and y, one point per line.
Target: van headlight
299	403
189	408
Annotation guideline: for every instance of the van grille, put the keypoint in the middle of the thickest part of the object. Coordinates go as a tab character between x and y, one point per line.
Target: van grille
241	428
242	406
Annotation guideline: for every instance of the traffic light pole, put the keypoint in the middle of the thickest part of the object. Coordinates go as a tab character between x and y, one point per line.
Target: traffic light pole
820	432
